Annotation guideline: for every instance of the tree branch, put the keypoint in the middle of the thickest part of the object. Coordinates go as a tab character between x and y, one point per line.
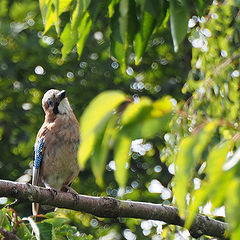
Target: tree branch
111	208
8	235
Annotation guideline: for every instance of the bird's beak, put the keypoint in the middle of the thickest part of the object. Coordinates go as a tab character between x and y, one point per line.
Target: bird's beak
61	95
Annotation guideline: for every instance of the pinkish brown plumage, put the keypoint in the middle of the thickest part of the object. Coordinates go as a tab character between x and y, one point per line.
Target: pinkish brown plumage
55	158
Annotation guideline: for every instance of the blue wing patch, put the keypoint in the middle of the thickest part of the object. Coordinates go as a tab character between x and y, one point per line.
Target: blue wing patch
38	153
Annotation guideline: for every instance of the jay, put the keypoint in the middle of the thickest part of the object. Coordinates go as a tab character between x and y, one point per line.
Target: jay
55	163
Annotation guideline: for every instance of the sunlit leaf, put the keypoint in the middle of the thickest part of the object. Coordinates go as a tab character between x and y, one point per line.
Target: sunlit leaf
102	147
215	173
121	158
44	8
162	106
83	32
136	110
179	16
232	206
50	17
190	152
146	119
68	39
59	7
94	120
63	5
148	127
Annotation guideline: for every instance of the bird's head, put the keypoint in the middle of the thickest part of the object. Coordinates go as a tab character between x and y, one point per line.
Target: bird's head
55	102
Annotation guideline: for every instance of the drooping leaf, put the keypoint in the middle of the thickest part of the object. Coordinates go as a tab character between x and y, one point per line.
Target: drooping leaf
102	147
123	26
94	120
179	16
44	8
88	18
215	173
83	32
121	158
146	119
190	152
50	17
232	206
148	127
153	13
68	39
45	230
147	25
118	49
136	110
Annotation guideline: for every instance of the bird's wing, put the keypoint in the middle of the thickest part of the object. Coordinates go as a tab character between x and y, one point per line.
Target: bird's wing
38	155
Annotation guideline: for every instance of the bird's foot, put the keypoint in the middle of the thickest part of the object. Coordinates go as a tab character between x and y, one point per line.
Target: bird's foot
53	191
73	192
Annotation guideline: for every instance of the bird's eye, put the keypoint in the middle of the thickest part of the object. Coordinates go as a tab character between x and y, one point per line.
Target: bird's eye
49	102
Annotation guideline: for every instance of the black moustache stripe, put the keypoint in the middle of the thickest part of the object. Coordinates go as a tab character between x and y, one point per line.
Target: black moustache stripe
55	109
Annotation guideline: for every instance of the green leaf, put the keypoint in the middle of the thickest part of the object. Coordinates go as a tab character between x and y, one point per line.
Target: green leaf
63	6
146	119
214	169
118	49
232	208
190	152
153	13
102	147
147	25
147	128
68	40
111	7
45	230
121	158
5	223
56	221
59	7
123	26
50	17
94	119
23	232
83	32
136	110
44	8
179	16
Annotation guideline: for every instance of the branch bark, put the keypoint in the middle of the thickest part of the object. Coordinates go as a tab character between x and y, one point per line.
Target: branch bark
111	208
8	235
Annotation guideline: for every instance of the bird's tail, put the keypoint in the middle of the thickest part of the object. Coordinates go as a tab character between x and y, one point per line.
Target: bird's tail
35	208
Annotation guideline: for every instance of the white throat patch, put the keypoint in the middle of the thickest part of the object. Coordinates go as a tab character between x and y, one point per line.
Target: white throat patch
64	107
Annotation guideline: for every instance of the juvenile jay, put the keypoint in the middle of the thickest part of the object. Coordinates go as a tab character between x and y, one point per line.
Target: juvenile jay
55	151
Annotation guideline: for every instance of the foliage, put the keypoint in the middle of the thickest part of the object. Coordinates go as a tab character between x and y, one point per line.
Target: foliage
53	227
101	128
158	113
132	23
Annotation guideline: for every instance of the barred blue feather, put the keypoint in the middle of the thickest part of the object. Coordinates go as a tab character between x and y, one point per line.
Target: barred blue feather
38	153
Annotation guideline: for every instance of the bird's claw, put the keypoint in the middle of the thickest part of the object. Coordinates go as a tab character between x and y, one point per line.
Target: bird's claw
53	192
73	192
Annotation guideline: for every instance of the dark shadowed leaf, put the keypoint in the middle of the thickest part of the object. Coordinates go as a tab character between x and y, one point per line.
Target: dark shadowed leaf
179	16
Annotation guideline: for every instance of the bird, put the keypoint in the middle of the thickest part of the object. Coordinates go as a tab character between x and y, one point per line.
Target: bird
55	163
